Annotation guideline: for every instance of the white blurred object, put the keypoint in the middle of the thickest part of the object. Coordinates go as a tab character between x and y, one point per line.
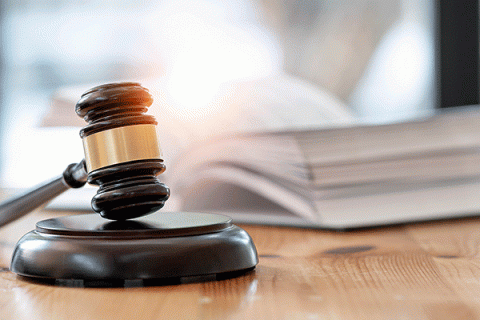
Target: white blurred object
276	102
398	83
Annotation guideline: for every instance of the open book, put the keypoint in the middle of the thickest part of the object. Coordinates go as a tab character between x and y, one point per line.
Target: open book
339	178
332	175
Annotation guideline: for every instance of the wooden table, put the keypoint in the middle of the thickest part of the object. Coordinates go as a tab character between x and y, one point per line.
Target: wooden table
421	271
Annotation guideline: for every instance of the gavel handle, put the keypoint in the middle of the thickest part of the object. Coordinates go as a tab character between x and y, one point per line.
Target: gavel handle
74	176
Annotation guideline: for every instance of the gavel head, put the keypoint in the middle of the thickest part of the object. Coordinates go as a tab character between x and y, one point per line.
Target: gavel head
122	153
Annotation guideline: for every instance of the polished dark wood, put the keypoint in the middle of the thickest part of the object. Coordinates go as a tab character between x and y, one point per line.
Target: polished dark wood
126	190
129	190
160	247
74	176
114	105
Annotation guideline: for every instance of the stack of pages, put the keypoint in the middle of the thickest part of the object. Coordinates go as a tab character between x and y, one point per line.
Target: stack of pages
339	178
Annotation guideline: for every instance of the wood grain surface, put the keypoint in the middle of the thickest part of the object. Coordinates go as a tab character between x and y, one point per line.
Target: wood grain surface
421	271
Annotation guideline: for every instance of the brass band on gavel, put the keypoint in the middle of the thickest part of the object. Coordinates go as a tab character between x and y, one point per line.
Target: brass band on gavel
122	144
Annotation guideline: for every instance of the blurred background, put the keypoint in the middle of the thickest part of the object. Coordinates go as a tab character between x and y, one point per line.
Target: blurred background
213	66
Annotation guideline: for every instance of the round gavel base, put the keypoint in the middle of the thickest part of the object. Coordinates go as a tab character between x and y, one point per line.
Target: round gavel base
177	245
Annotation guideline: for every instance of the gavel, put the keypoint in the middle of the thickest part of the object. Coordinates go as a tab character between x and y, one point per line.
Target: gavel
122	157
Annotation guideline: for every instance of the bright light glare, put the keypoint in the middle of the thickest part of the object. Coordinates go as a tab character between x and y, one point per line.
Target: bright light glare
202	54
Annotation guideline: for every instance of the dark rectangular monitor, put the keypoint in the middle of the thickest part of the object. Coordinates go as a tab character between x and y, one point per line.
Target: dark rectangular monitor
457	53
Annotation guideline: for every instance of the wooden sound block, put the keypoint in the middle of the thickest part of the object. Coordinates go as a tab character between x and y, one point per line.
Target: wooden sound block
159	246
